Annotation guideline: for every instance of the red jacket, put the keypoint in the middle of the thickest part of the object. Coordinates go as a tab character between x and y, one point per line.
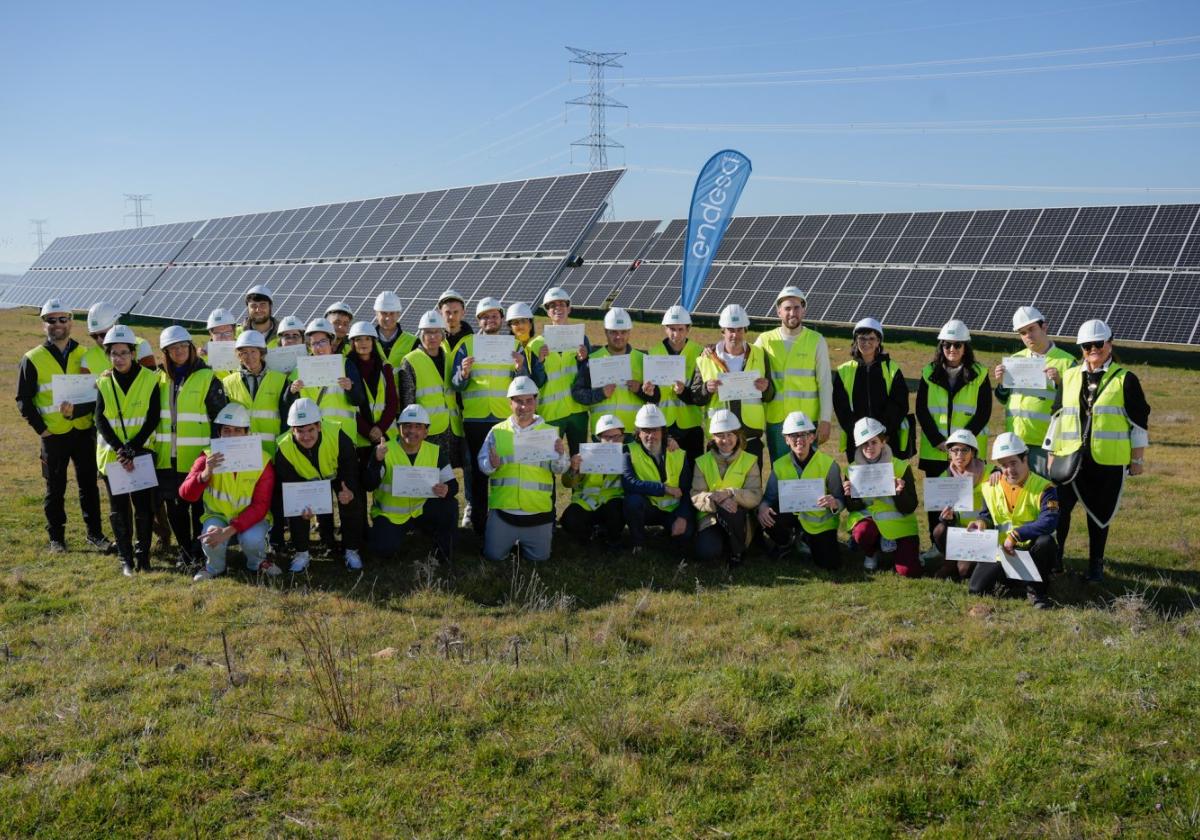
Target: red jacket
193	488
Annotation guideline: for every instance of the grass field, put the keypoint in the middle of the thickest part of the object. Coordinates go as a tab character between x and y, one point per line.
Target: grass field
604	695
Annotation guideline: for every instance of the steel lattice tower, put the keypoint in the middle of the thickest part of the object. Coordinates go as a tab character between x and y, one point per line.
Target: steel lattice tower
138	215
598	142
39	233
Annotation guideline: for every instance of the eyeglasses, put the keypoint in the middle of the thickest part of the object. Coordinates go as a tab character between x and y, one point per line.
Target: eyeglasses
1089	346
867	339
959	450
319	342
953	345
61	319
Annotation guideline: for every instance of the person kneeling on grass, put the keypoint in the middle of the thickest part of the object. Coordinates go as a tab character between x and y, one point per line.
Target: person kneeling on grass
656	472
963	449
815	530
726	486
884	525
595	507
237	505
395	517
1023	506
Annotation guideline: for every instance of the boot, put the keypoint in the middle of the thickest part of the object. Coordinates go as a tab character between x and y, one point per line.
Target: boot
144	526
124	541
1095	572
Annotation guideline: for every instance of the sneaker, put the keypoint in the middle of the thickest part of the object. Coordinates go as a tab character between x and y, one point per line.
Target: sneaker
127	569
636	550
1039	601
102	543
268	568
57	547
931	555
299	562
871	562
466	517
353	561
203	574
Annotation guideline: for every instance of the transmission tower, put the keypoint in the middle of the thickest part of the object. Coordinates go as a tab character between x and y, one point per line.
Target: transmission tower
138	215
39	233
598	142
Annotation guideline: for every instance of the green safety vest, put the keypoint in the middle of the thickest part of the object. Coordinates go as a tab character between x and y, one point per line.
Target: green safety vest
938	403
555	402
433	392
228	494
335	405
678	413
595	490
846	372
1028	508
623	403
327	453
192	430
264	407
95	360
400	509
818	467
794	373
271	342
892	524
47	368
525	487
1110	423
377	400
404	344
486	394
647	470
735	473
1028	410
125	412
752	413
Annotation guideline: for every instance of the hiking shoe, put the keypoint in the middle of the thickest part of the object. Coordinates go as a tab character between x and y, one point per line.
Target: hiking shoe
268	568
353	561
299	562
871	562
57	547
203	574
102	543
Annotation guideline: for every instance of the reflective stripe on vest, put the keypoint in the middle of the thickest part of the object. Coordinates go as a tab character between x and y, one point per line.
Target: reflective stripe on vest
734	477
486	394
818	467
263	406
399	509
595	490
189	435
847	371
1027	411
794	372
950	418
646	469
892	524
555	401
528	488
678	413
1027	509
1110	442
133	406
623	403
751	412
228	494
327	453
432	390
47	367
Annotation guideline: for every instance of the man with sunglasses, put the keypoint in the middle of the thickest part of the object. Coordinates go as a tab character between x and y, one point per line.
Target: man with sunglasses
67	431
259	304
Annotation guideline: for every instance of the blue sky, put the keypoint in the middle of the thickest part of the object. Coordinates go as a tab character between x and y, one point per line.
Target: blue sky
220	108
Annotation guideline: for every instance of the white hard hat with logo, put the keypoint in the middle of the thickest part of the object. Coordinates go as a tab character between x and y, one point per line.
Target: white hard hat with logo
723	420
867	428
518	311
250	338
54	306
607	423
120	334
650	416
797	422
556	293
261	290
363	329
219	317
234	414
432	320
954	330
792	292
290	324
487	304
734	316
339	306
173	334
869	324
963	436
388	302
317	325
413	414
617	319
450	294
303	412
677	316
1093	330
101	317
1007	444
1025	316
522	386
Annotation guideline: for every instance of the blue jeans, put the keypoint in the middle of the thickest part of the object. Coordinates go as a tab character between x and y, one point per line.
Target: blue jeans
253	542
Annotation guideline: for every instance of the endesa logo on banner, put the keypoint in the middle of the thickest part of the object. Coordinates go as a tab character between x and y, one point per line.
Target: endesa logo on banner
717	190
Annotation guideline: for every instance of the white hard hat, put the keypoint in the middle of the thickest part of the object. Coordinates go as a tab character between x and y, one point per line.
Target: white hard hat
319	325
173	334
413	414
53	305
869	324
723	420
220	317
867	428
484	305
388	302
261	290
518	311
963	436
954	330
1093	330
733	317
290	324
234	414
790	292
450	294
432	320
119	334
676	316
522	386
101	317
363	328
303	412
556	293
339	306
1025	316
797	421
650	416
608	422
1006	444
250	338
617	319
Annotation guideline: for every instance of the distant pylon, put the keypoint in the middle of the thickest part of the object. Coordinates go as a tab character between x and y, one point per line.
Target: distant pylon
39	233
138	215
598	141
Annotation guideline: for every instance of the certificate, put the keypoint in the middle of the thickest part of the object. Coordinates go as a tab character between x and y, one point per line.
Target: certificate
972	546
535	447
242	453
494	349
1019	566
320	371
799	495
602	458
664	370
739	386
283	359
415	482
142	476
565	338
610	370
298	495
868	481
949	492
1027	372
75	388
222	355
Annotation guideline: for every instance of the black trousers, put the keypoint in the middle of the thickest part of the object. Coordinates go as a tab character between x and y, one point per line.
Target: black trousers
183	516
987	576
77	447
690	440
131	516
639	512
578	522
714	544
352	516
1100	485
438	521
824	546
476	434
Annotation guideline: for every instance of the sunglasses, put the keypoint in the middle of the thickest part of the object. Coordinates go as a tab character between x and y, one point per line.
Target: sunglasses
61	319
1089	346
953	345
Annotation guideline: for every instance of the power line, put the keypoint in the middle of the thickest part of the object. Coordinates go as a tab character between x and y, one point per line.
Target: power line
39	233
139	215
508	112
598	101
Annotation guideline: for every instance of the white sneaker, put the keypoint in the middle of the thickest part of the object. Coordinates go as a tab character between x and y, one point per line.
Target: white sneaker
299	562
353	561
871	562
203	574
268	568
466	520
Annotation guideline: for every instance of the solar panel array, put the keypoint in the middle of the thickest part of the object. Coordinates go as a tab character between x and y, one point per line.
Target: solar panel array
1137	267
609	254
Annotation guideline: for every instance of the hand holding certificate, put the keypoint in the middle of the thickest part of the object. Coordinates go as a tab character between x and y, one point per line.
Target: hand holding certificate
800	495
535	447
299	496
415	482
949	492
601	458
610	370
122	481
563	338
972	546
1027	372
494	349
320	371
739	386
238	454
283	359
664	371
75	388
869	481
222	355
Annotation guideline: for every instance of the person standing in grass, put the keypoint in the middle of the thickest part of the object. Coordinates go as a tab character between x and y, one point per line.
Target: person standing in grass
424	378
963	450
394	343
596	504
556	403
685	421
726	486
871	385
622	400
884	527
656	483
339	403
101	318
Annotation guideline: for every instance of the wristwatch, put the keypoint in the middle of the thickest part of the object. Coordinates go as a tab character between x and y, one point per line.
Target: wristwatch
1138	461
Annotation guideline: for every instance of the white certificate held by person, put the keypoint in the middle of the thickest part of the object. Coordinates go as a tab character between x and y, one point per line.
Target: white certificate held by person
738	385
415	482
320	371
238	454
563	338
1019	566
1025	372
535	447
872	481
664	371
968	546
222	355
801	495
954	492
313	496
75	388
610	370
141	477
601	458
283	359
493	349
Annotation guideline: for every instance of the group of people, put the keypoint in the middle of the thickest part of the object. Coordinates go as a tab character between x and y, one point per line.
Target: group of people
513	425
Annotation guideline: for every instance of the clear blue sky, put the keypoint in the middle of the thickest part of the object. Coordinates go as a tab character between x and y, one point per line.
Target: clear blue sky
217	108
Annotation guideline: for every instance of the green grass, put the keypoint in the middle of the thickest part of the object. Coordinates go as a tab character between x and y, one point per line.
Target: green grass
603	694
